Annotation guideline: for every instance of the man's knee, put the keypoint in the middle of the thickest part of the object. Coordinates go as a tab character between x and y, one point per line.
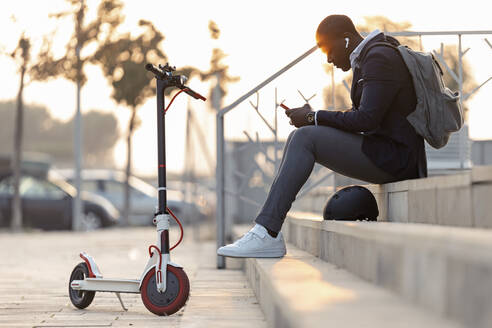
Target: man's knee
304	136
305	132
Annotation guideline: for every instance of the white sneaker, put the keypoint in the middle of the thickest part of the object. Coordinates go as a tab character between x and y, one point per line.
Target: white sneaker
255	243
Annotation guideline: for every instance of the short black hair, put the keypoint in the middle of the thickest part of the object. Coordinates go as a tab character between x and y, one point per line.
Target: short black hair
335	25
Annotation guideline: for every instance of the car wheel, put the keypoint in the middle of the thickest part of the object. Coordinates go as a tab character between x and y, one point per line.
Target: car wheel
90	221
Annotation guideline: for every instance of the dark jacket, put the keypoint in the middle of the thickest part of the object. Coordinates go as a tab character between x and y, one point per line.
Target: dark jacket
383	95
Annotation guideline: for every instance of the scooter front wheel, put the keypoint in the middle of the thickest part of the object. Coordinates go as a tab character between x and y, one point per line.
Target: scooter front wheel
80	298
175	296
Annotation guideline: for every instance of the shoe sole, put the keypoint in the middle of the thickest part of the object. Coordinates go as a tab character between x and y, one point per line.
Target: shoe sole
268	254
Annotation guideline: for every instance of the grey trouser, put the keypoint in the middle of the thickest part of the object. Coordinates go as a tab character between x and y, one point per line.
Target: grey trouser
337	150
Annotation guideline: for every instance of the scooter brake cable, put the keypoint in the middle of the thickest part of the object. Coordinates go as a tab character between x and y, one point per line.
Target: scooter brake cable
180	226
174	97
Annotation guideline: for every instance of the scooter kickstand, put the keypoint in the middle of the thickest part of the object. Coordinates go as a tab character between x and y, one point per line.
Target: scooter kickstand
121	301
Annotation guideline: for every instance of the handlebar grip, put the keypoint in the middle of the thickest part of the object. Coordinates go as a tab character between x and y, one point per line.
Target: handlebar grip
194	94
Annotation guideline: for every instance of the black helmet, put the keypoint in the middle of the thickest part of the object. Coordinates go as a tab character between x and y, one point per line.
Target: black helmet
351	203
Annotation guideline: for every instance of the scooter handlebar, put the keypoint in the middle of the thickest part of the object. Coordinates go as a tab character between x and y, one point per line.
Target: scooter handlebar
156	71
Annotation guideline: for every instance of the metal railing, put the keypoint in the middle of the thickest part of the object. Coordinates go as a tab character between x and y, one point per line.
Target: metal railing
221	189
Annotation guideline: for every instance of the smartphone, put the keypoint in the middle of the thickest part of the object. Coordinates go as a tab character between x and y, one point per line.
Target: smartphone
283	106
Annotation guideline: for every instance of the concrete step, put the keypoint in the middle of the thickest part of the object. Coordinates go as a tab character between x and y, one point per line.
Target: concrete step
445	269
300	290
454	200
461	199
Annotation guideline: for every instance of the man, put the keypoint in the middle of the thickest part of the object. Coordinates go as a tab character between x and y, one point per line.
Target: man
372	142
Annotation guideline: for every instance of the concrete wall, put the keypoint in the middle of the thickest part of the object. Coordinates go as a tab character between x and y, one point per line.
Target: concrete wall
482	152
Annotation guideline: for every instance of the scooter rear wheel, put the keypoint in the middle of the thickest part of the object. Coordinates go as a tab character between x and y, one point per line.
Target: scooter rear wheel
175	296
80	299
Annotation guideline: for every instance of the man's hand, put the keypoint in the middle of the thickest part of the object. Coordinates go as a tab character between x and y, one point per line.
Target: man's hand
298	115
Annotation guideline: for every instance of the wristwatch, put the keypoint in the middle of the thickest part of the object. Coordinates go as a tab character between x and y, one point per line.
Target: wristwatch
310	117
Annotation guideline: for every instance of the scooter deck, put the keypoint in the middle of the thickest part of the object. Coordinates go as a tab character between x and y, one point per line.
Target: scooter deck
107	285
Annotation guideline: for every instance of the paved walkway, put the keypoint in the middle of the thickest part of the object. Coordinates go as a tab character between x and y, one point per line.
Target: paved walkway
35	268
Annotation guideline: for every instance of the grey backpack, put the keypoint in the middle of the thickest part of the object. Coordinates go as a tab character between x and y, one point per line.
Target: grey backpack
438	112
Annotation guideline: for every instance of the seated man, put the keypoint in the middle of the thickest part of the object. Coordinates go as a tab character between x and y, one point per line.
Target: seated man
373	141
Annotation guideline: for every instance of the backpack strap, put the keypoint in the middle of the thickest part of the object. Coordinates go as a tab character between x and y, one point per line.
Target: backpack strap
390	45
376	44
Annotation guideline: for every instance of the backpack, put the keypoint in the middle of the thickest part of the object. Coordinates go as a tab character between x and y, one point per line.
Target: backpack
438	112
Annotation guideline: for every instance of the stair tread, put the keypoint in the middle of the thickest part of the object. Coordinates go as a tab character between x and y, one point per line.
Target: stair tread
315	293
473	242
439	268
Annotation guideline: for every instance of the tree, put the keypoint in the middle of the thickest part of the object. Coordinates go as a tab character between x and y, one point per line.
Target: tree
22	56
386	25
218	71
100	135
123	63
45	134
71	65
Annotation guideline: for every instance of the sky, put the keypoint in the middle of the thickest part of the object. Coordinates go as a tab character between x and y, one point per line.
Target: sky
259	37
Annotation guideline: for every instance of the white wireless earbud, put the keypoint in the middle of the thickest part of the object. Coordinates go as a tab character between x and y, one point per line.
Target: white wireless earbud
346	42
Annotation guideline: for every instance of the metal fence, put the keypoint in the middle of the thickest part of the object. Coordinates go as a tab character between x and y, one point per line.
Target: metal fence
458	151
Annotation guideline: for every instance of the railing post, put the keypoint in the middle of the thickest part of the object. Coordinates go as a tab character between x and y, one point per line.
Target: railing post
460	82
220	178
275	134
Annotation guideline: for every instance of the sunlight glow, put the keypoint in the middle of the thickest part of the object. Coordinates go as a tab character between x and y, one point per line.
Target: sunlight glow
309	281
259	38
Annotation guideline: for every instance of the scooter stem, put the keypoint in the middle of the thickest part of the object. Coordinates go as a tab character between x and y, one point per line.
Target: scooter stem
162	218
161	146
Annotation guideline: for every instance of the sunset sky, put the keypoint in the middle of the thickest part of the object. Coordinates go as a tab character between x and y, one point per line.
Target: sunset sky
259	37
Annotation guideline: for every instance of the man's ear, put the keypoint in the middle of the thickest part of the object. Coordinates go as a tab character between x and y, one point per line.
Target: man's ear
349	40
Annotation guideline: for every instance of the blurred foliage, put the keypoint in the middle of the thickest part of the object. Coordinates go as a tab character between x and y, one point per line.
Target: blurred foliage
46	134
385	25
107	19
21	54
123	60
218	71
214	30
342	96
42	133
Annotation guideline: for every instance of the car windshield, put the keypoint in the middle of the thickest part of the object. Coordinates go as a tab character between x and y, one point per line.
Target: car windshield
32	187
6	187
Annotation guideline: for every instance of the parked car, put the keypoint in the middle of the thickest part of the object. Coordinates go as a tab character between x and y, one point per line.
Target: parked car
143	196
47	204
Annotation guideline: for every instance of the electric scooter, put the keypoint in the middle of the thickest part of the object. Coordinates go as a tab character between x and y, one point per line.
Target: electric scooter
164	286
